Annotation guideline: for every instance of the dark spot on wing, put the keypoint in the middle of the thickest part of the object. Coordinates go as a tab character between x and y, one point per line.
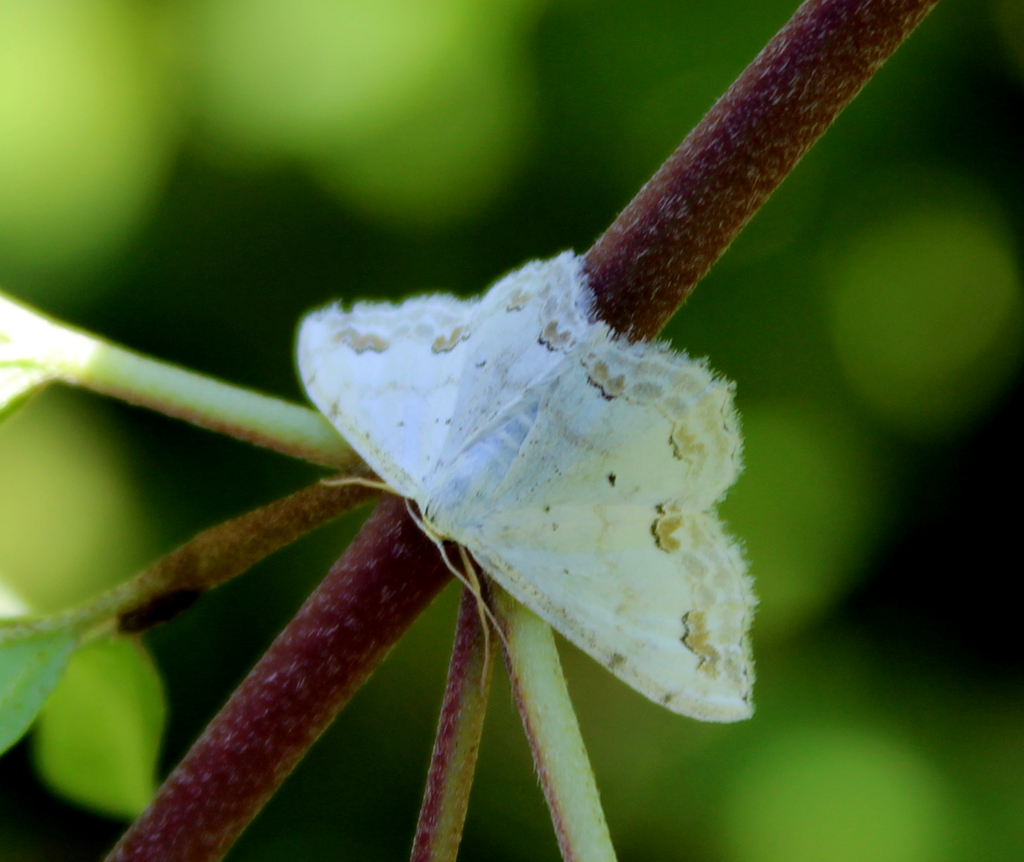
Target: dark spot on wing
611	479
616	660
668	520
697	639
685	445
518	300
553	339
600	375
447	343
360	342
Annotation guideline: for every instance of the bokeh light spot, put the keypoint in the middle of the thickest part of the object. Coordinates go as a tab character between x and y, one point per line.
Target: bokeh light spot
837	795
927	314
446	158
807	508
70	524
276	73
409	109
85	140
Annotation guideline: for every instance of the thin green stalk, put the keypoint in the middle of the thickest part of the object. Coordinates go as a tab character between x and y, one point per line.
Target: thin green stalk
554	734
29	339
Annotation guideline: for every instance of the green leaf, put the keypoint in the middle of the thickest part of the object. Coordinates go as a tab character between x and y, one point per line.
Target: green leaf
17	382
30	668
98	737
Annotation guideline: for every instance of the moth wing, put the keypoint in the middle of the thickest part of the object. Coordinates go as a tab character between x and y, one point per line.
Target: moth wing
616	422
407	385
668	619
527	321
663	423
387	377
603	523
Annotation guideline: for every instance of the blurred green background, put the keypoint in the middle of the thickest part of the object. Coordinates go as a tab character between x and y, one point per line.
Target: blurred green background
190	177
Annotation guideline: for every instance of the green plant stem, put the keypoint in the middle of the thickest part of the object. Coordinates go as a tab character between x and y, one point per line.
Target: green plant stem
81	359
559	754
459	729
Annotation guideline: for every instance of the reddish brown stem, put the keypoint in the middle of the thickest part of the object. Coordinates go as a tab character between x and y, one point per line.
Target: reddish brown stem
459	728
641	270
645	265
385	579
225	551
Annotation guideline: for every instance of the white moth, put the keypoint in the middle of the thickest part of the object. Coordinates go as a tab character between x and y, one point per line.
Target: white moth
581	471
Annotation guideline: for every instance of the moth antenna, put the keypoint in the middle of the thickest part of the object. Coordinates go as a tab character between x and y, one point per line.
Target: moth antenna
469	579
484	622
432	534
487	618
339	481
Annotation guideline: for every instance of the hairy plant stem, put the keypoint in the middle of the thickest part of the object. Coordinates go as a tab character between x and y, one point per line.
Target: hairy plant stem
645	265
459	729
641	270
207	560
559	755
388	575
